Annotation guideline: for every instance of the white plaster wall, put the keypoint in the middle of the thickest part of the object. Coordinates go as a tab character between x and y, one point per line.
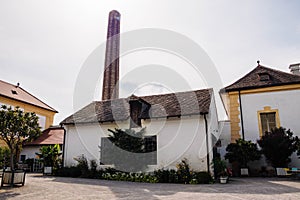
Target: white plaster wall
287	103
177	138
213	128
225	136
30	151
85	140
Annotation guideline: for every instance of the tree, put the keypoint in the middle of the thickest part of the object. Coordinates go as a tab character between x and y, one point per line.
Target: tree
16	127
242	152
50	155
278	145
4	156
127	150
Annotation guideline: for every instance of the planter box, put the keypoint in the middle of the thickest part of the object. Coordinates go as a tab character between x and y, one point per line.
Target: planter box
12	178
244	172
48	170
223	179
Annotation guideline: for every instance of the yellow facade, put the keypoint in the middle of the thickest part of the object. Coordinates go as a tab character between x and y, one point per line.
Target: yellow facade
31	108
234	111
267	109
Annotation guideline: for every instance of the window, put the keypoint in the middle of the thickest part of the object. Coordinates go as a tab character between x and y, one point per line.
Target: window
42	121
23	158
264	76
268	119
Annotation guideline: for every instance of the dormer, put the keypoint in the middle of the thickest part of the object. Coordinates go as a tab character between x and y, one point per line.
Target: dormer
138	109
264	76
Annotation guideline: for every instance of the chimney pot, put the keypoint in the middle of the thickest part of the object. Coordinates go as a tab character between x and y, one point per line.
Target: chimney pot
295	68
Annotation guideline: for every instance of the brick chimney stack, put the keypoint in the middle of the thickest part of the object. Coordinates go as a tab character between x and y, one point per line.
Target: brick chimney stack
110	88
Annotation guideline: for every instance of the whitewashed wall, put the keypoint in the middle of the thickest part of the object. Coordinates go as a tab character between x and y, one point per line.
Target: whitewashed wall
287	103
177	138
29	151
225	136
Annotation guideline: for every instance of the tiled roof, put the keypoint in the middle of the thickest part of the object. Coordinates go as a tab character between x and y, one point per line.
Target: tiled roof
162	106
50	136
17	93
253	80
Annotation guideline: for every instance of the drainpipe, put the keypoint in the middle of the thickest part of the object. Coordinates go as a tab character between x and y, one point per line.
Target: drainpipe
242	121
64	144
207	143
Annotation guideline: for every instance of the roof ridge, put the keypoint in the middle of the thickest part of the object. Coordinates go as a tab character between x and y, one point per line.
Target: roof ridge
176	92
251	80
45	106
38	99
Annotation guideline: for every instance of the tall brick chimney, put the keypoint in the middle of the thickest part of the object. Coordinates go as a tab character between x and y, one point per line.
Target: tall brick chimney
110	88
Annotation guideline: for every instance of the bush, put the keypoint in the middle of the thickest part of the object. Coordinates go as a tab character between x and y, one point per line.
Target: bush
73	172
83	166
93	171
278	145
201	178
242	152
4	157
183	171
182	175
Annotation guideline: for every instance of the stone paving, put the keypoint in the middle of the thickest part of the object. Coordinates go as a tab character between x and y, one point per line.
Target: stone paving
39	187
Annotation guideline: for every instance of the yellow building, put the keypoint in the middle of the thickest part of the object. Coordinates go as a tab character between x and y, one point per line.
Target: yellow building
261	100
14	95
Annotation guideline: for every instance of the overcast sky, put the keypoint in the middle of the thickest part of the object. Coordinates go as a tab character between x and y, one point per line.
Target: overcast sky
44	43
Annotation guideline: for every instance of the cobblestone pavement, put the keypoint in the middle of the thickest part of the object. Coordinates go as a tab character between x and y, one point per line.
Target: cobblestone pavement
39	187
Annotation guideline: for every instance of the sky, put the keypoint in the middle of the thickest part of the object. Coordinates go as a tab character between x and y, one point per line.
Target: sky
44	44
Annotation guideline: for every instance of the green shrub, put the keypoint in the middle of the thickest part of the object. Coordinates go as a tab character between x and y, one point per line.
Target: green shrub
242	152
278	145
183	175
4	157
183	172
93	169
201	178
73	172
83	166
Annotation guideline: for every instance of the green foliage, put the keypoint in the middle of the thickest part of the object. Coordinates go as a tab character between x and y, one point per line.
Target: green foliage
183	171
83	166
73	172
278	145
159	176
242	152
201	178
4	156
16	127
166	176
49	155
131	145
93	168
220	167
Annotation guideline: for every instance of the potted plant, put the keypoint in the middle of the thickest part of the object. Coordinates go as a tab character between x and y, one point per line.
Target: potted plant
220	169
16	127
49	155
241	153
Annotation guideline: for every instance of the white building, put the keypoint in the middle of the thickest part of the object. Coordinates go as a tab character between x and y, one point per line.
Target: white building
261	100
181	124
178	125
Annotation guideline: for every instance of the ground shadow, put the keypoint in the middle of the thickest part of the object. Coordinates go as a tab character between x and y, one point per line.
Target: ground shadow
7	194
123	189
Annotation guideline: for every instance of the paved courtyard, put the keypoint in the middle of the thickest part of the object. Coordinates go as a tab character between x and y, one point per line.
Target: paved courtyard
39	187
